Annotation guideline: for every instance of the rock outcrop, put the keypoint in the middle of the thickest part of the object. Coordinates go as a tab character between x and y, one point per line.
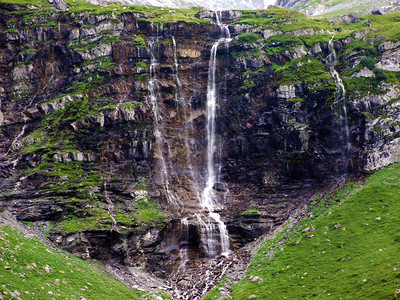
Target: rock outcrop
78	145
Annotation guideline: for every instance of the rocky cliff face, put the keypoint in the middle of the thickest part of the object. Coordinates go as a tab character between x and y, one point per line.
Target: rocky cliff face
80	155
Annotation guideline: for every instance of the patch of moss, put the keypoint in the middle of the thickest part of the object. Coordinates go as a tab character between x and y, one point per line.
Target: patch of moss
308	71
281	19
280	43
248	38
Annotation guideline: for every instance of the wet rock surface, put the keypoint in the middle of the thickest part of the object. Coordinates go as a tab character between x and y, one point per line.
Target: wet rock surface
78	146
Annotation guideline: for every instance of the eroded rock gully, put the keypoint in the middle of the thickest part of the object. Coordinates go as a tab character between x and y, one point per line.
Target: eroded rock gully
79	155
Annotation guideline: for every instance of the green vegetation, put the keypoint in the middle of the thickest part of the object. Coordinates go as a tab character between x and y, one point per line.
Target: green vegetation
139	42
147	213
281	43
150	14
141	64
35	271
337	8
281	19
248	38
308	71
215	293
348	247
97	219
252	211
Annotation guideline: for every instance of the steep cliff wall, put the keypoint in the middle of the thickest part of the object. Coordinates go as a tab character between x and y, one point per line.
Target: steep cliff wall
78	141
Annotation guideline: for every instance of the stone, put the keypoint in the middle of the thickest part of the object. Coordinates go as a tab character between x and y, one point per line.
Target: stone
337	225
252	296
364	72
317	48
350	18
386	46
378	11
316	10
309	229
286	92
256	279
59	4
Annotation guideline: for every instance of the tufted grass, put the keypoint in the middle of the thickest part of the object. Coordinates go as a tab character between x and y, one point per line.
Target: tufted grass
36	271
353	253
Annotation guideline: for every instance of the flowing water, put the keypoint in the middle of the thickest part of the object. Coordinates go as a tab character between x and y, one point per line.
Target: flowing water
340	109
209	200
189	175
153	83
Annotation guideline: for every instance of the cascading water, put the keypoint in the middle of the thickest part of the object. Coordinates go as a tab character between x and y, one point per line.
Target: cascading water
158	120
208	199
178	85
183	244
340	108
193	180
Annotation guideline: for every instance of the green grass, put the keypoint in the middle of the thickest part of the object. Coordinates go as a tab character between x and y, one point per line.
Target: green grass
215	293
98	219
156	14
148	214
36	271
307	70
248	38
281	19
350	251
251	211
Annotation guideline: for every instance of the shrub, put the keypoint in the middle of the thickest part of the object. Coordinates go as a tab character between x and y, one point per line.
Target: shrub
248	38
368	62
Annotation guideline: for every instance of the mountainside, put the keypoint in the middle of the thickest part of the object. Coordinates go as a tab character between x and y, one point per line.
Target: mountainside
31	269
334	8
170	141
211	5
346	248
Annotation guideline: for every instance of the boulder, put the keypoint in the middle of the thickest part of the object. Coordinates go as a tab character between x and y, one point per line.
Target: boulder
59	4
378	11
365	72
350	18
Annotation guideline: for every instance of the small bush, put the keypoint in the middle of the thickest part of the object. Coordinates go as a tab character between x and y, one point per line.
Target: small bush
380	75
248	38
139	42
368	62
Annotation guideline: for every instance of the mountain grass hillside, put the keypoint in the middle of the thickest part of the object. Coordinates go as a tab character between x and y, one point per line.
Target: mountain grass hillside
335	8
29	269
348	248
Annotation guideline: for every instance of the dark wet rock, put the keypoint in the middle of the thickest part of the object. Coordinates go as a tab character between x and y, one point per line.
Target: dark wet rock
77	133
378	11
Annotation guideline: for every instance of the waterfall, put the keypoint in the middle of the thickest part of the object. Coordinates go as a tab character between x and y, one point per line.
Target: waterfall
158	119
193	179
209	200
178	85
340	108
183	244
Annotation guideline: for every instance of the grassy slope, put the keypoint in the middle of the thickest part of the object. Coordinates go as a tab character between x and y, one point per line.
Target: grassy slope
340	7
36	271
156	14
353	253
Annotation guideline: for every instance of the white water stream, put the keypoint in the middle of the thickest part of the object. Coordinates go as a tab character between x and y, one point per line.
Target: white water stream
208	200
340	108
158	120
213	232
